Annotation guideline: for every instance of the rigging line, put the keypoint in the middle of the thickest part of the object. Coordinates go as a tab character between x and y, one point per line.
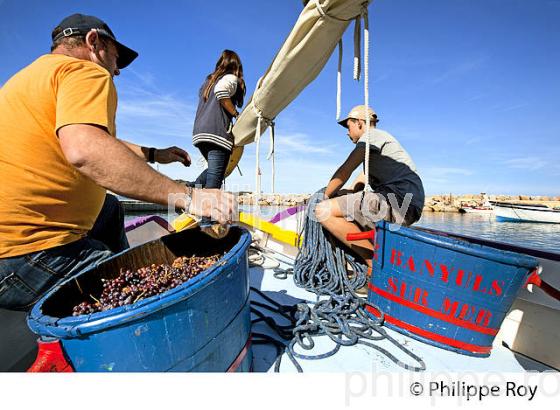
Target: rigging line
339	81
325	15
368	187
271	153
357	47
257	164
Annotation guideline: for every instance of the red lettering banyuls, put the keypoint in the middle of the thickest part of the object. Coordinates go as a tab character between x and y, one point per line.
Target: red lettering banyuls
445	275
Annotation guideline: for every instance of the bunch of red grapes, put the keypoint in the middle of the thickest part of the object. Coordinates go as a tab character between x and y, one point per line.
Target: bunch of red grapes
131	286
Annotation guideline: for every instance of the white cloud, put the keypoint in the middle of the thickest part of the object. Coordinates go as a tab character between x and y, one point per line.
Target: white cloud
527	163
147	79
459	70
504	107
445	179
300	143
442	172
146	114
477	97
474	140
158	107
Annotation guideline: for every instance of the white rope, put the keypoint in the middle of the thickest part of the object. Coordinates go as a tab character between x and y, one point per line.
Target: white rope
324	14
339	82
320	9
271	155
357	47
368	187
257	164
266	122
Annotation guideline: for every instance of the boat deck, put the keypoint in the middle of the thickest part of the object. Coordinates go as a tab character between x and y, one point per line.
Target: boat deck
357	358
361	358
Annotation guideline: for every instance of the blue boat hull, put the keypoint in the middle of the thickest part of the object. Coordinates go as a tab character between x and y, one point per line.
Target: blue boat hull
506	219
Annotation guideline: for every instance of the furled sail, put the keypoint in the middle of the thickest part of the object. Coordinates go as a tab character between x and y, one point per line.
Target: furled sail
303	55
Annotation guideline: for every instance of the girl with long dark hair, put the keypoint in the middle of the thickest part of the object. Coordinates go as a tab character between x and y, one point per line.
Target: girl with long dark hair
222	91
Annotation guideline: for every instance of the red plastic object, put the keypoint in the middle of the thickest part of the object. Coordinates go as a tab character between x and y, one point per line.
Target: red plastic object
237	362
361	235
50	358
535	279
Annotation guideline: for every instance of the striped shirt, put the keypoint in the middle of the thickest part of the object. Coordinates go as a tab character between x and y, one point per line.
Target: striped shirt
212	122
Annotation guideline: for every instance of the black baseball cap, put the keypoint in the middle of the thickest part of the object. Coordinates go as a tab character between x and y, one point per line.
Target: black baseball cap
80	25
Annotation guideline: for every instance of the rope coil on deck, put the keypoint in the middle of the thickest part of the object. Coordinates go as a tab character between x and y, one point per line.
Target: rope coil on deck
338	313
321	268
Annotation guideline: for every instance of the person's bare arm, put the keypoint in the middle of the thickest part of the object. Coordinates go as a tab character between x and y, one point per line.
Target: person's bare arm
343	173
112	165
229	107
161	155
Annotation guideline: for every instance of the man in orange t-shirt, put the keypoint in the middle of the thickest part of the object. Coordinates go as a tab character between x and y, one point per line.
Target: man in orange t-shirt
59	156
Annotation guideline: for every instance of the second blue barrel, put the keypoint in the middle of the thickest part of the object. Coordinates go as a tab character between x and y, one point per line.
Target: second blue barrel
449	291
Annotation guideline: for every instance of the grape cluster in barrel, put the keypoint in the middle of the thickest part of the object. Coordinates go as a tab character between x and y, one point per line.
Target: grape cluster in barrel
130	286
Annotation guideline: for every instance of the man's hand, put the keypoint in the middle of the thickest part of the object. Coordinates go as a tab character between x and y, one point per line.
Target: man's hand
172	154
214	203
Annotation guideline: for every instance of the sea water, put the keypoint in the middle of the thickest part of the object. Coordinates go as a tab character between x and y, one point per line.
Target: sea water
545	237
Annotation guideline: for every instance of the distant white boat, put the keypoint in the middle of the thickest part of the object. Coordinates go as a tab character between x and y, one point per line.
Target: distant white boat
506	212
485	208
477	209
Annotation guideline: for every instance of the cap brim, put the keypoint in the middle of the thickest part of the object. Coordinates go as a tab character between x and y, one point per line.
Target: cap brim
126	55
344	122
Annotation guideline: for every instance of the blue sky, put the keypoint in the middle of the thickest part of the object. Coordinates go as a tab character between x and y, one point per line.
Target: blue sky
469	87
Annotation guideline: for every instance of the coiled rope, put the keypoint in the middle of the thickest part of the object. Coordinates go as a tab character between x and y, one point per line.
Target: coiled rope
321	268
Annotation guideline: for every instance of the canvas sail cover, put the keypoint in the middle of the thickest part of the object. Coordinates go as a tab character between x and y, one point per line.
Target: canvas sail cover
305	52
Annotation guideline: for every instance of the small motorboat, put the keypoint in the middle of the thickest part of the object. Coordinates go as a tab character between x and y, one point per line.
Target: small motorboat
485	208
511	212
476	209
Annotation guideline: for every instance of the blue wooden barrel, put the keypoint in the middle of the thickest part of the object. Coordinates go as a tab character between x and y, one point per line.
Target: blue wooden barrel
447	291
202	325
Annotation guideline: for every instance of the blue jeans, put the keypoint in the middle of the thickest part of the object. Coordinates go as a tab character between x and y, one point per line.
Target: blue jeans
213	176
218	158
109	225
24	279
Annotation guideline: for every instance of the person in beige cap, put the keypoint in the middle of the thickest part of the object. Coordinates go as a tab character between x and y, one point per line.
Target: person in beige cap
397	193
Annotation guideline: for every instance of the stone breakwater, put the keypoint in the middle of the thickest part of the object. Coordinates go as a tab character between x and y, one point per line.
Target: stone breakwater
274	199
452	203
434	203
